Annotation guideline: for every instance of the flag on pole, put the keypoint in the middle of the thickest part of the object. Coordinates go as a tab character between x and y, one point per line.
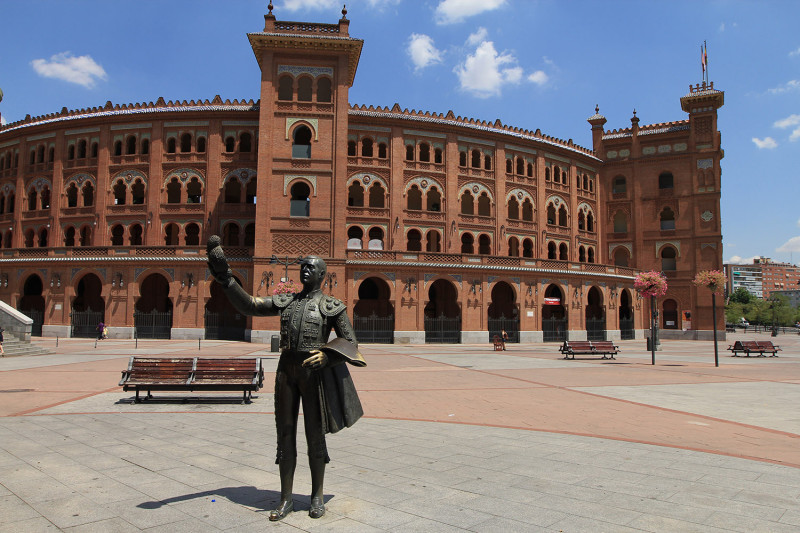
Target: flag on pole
703	59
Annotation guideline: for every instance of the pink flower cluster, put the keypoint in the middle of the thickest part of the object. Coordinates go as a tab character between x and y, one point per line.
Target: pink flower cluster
650	283
287	287
714	280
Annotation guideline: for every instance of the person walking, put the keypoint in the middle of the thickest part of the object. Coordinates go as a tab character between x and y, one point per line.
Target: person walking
2	351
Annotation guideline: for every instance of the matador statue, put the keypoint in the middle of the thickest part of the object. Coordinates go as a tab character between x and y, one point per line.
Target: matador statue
310	371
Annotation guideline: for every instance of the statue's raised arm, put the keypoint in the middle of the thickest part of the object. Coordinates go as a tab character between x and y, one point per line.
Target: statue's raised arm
221	270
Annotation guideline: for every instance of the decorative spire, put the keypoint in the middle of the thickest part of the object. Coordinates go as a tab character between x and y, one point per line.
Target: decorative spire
270	7
597	109
344	11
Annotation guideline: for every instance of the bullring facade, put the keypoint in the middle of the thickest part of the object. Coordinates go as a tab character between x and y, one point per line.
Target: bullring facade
435	227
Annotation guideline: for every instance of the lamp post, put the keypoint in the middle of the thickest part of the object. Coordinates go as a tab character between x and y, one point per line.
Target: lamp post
714	325
275	260
653	328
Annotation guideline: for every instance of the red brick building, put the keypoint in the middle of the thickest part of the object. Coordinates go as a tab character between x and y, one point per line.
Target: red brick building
435	227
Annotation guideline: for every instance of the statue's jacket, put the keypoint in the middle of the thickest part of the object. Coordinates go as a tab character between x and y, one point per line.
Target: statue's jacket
306	323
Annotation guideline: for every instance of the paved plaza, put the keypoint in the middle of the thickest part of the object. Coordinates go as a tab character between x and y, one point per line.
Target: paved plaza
454	438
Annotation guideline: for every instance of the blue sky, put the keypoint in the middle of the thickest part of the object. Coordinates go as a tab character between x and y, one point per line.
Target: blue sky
530	63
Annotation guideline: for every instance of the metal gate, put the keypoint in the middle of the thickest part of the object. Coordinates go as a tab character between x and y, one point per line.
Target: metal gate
497	325
374	328
595	329
225	326
38	319
84	323
443	329
554	329
152	325
626	328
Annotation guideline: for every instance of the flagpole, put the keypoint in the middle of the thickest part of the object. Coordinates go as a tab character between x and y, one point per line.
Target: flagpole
705	56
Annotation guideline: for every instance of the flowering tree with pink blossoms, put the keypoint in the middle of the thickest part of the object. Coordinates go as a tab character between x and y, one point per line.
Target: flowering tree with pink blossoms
715	281
652	284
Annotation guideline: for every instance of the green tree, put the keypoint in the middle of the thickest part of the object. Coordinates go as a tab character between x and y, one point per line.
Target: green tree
742	296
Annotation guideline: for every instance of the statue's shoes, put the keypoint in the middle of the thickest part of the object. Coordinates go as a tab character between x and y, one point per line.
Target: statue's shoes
284	508
317	509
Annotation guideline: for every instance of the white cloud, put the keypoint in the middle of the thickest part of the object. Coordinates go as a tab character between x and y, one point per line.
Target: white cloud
766	142
791	120
485	72
792	245
798	222
453	11
296	5
82	70
791	85
795	135
722	27
794	53
738	260
539	77
479	36
422	51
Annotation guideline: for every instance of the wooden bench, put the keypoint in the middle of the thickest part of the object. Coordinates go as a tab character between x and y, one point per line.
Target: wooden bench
755	347
605	348
499	345
193	374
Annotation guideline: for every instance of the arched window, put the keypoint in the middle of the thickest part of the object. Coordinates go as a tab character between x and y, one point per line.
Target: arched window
546	174
513	247
529	170
245	142
484	244
186	142
69	236
551	214
117	235
562	216
130	145
32	197
409	152
581	254
425	152
382	154
621	257
590	255
375	239
355	195
145	148
300	204
301	147
414	241
88	194
586	182
462	159
233	191
251	190
563	252
527	210
285	88
304	89
174	191
467	204
33	157
556	174
513	208
620	222
354	236
324	90
366	147
351	148
43	238
194	191
590	222
434	243
581	221
476	159
40	158
230	144
484	205
250	235
552	251
527	248
170	146
135	235
137	192
667	219
467	244
619	185
171	235
670	314
93	152
668	259
71	152
665	180
9	235
520	166
230	234
414	197
377	195
72	195
487	162
192	234
86	236
434	200
29	238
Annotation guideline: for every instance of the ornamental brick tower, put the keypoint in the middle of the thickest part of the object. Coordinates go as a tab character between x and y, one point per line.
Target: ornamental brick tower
661	195
306	72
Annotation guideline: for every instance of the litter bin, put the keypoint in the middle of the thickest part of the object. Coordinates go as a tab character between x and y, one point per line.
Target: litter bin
275	343
649	348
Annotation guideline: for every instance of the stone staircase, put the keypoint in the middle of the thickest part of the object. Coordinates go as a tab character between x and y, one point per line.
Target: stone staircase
14	347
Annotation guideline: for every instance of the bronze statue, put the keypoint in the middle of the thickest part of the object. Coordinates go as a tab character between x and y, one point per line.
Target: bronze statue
310	370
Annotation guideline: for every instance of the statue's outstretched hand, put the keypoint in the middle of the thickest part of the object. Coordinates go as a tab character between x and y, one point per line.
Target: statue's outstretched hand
217	263
317	360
